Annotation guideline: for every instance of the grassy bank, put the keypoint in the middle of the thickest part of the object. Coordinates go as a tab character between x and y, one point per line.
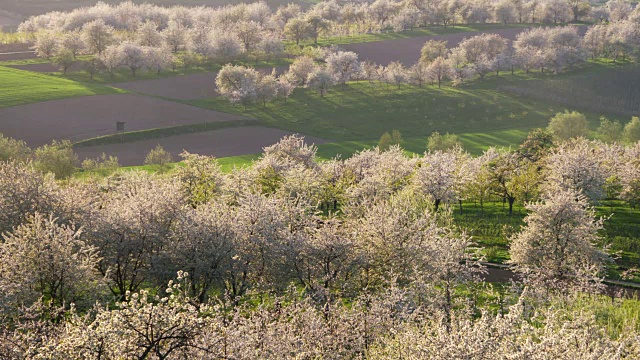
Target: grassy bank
164	132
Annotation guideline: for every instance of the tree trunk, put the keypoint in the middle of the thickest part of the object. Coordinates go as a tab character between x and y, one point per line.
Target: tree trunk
447	306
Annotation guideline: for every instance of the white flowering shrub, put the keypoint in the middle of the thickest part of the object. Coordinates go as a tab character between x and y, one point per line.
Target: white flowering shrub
299	258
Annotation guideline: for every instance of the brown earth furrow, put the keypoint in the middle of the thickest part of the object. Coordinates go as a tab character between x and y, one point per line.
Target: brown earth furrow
90	116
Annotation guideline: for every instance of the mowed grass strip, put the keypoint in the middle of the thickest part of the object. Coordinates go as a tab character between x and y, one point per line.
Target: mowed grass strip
363	111
18	87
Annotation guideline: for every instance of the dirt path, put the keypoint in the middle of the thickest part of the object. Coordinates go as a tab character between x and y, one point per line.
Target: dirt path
17	55
90	116
218	143
16	51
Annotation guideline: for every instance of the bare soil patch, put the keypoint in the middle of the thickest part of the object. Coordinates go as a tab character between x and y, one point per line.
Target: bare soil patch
15	47
90	116
218	143
185	87
16	51
6	20
9	55
407	51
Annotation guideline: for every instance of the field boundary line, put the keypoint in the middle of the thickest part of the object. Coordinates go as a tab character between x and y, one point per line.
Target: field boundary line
158	133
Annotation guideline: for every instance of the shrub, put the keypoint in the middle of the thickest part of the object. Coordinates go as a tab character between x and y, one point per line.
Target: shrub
569	125
11	149
103	165
387	140
159	157
609	131
437	142
631	132
57	158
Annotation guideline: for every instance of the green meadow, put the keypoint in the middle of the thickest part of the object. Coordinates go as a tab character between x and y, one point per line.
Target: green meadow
24	87
358	113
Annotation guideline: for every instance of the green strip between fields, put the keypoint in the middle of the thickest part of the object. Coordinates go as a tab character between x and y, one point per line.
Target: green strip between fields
158	133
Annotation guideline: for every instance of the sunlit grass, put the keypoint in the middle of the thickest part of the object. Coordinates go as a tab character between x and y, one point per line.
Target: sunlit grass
19	87
363	111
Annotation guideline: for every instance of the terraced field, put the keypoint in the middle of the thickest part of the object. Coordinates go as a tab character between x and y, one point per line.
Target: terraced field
82	118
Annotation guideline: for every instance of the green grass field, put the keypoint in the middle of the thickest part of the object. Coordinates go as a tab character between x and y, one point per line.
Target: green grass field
354	116
363	111
24	87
